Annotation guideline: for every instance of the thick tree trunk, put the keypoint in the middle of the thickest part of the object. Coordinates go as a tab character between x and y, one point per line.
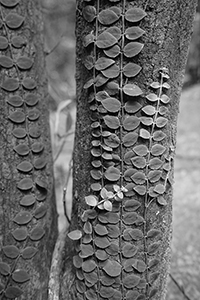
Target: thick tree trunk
130	66
28	225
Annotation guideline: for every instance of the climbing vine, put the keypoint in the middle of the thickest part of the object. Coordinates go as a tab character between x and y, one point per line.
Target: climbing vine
118	245
19	88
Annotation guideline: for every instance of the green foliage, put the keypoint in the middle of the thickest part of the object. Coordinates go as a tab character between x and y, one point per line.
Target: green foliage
22	102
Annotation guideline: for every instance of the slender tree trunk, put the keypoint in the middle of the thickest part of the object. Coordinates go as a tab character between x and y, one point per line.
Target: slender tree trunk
130	66
28	226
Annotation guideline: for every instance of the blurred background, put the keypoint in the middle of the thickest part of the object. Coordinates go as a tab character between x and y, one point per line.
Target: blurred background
59	16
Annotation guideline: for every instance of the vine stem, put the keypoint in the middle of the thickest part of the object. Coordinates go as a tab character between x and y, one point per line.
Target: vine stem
121	136
147	203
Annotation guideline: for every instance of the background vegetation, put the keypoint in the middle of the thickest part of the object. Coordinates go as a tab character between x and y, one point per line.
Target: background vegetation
60	44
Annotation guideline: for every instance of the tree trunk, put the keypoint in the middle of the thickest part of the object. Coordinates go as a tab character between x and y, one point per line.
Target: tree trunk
28	216
130	67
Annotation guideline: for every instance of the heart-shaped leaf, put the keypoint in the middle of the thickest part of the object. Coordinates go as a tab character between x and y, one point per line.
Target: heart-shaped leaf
23	218
3	43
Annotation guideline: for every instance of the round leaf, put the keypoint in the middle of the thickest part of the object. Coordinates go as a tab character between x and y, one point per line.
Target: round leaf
75	235
25	166
13	292
111	104
17	117
135	14
23	218
9	3
103	63
107	17
131	70
112	122
24	62
27	200
6	62
130	139
11	251
132	49
10	84
113	51
131	122
91	200
88	265
112	174
29	252
15	101
133	33
37	233
112	268
14	21
20	276
105	40
19	133
89	13
4	269
20	234
132	90
3	43
25	184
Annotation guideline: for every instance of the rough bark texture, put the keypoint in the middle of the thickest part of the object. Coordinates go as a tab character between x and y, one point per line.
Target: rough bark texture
168	27
24	121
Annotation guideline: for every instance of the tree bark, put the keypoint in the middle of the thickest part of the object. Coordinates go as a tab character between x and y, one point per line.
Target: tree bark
125	136
28	226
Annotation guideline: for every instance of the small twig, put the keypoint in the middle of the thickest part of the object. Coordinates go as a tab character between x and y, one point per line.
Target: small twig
62	145
65	191
64	205
179	287
48	52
